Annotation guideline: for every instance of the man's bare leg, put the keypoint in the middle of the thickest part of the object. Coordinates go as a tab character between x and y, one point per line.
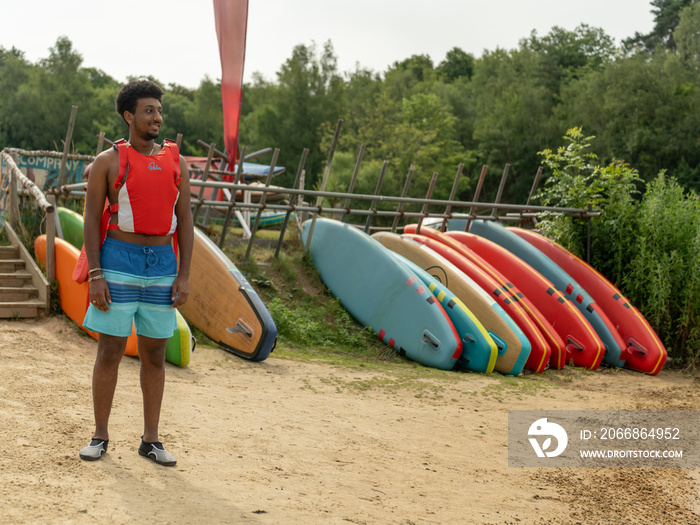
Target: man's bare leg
110	350
152	356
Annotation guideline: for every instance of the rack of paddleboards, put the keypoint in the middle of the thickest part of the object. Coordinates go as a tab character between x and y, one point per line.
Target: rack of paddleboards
222	303
493	298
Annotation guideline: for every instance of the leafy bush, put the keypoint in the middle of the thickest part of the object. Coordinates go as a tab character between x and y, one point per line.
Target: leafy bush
663	278
650	248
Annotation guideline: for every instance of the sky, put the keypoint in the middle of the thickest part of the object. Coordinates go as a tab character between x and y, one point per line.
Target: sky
175	40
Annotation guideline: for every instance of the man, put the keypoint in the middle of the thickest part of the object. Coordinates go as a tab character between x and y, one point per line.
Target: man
133	273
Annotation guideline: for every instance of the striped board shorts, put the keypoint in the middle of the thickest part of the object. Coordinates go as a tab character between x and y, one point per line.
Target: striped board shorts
140	280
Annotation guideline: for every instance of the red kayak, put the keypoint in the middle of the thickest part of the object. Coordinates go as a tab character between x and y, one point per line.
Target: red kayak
645	351
584	347
540	351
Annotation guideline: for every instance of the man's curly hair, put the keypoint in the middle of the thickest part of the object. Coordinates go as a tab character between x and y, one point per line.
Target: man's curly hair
129	94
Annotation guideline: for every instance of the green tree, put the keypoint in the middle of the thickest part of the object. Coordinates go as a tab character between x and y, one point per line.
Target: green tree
666	17
203	114
457	64
307	99
513	119
643	110
687	36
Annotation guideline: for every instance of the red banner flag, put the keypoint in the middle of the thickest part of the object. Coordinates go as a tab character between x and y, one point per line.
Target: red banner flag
231	17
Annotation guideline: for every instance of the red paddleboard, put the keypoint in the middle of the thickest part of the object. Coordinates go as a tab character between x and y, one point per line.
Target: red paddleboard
557	353
540	351
645	351
584	347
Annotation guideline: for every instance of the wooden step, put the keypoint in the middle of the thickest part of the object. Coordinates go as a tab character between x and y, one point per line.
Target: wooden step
9	252
11	265
15	279
18	293
21	309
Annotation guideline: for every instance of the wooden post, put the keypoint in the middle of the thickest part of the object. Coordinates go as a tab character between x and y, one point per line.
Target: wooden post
263	199
448	208
232	200
353	179
178	141
297	180
479	184
326	172
50	240
66	147
373	205
494	211
399	208
100	143
534	185
205	176
427	198
588	234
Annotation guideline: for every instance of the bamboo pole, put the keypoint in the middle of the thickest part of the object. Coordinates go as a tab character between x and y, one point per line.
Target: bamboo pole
46	153
33	188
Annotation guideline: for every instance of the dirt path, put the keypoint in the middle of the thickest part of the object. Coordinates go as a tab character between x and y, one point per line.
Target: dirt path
285	441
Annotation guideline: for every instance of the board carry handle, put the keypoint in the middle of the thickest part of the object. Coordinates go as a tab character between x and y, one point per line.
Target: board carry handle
430	339
635	346
575	345
239	329
500	343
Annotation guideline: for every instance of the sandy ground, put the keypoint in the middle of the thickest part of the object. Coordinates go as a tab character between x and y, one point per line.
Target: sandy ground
285	441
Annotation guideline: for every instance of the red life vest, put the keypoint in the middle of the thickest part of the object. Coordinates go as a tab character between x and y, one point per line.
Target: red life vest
148	190
149	196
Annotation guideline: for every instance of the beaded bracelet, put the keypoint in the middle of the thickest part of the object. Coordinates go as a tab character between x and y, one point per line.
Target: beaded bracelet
96	277
95	270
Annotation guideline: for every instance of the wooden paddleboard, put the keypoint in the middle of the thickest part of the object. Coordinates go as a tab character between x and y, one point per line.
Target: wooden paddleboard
381	293
509	339
615	348
584	348
224	305
645	351
73	298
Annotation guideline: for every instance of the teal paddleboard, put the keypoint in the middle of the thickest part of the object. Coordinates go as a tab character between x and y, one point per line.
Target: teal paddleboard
381	293
479	350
